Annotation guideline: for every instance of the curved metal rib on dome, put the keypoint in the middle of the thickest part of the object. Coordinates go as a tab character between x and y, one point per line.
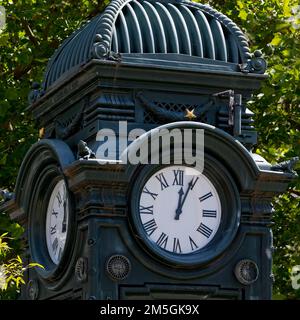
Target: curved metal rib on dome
194	30
152	27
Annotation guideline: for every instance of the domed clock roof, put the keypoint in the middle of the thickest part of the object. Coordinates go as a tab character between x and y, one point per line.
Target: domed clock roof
169	30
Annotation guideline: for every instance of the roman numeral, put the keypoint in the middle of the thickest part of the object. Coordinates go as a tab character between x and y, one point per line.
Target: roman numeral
193	244
153	195
209	213
176	246
206	196
162	240
55	245
150	226
53	229
205	230
55	213
178	177
193	183
59	198
146	210
163	182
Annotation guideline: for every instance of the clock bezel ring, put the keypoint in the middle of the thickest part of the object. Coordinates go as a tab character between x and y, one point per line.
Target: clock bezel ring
44	186
231	210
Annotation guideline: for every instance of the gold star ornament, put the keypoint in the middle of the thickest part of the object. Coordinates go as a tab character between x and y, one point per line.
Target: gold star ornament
190	114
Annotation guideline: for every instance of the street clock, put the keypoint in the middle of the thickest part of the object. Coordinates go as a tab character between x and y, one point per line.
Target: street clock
104	228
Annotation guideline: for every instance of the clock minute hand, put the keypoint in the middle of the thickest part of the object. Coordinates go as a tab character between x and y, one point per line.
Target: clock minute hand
179	209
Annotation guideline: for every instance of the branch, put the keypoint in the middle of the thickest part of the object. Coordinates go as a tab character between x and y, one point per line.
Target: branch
294	193
20	71
27	28
52	10
98	9
29	32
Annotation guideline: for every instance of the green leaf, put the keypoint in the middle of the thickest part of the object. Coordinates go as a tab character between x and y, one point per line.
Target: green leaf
243	15
276	40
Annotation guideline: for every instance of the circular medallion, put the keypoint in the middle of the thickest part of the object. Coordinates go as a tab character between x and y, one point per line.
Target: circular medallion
118	267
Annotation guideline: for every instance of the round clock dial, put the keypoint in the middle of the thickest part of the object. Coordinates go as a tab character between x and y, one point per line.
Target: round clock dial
179	210
57	221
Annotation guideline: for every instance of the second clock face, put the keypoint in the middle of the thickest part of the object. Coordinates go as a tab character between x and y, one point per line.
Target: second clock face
179	209
57	221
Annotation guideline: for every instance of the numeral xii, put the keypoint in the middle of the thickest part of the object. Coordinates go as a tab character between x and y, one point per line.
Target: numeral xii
178	177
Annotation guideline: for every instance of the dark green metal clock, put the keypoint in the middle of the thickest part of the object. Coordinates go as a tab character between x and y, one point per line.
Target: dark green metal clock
104	228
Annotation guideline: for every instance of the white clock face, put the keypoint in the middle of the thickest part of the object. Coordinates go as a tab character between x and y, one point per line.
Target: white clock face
57	221
180	209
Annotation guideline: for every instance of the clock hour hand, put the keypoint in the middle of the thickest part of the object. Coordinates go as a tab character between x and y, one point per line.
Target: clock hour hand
178	210
180	204
64	223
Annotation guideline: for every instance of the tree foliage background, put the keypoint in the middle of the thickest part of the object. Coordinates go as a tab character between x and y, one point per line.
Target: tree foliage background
35	28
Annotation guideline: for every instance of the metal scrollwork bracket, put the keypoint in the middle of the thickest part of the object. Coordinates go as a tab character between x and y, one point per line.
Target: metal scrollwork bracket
101	50
255	65
286	166
84	152
234	110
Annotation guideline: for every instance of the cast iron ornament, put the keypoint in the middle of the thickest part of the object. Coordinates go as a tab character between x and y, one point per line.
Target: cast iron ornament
81	269
33	289
246	271
118	267
84	152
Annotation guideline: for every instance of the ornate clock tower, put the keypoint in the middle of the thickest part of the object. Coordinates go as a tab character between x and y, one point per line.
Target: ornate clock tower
106	228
